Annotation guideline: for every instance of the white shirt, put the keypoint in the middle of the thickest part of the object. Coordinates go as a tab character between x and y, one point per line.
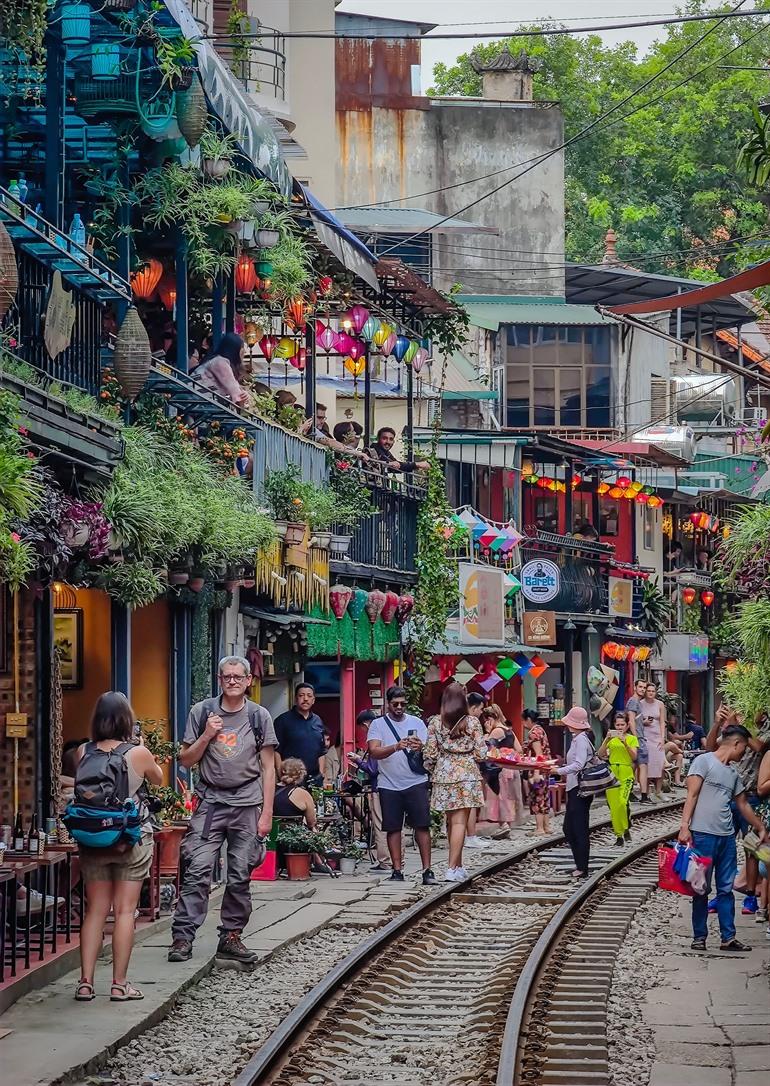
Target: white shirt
394	771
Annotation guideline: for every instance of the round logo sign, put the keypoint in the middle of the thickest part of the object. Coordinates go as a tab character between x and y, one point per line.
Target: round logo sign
540	580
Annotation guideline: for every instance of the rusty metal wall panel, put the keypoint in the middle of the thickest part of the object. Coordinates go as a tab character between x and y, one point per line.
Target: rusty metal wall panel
375	72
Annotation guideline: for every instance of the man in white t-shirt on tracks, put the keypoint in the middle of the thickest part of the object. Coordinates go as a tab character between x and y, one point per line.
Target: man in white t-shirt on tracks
403	793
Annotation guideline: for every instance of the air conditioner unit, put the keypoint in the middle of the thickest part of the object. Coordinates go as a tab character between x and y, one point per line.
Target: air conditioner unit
753	416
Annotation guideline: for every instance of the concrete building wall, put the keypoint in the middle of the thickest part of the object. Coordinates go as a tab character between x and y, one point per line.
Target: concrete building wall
640	358
311	94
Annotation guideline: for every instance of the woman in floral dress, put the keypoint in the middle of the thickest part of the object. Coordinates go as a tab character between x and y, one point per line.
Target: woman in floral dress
535	746
454	748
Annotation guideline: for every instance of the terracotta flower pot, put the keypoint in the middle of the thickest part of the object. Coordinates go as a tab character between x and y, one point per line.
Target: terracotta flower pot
169	842
295	533
195	584
298	866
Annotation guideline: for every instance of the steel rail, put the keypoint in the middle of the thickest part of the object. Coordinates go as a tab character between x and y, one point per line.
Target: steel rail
526	985
279	1042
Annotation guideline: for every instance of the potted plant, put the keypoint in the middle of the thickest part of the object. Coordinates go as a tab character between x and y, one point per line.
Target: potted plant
105	60
286	495
352	502
351	854
297	842
217	152
322	513
168	805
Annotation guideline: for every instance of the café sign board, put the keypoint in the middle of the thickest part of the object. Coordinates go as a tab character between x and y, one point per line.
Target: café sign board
540	580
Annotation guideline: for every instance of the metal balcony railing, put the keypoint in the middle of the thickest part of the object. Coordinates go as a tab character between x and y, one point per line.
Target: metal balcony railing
673	586
259	63
388	538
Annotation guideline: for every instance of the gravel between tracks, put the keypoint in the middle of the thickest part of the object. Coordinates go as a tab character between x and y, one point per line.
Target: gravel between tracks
218	1025
631	1043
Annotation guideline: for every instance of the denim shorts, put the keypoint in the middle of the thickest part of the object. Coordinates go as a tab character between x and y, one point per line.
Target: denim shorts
740	823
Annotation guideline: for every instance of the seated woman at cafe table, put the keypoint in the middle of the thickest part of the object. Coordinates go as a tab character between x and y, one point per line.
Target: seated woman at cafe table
292	800
222	371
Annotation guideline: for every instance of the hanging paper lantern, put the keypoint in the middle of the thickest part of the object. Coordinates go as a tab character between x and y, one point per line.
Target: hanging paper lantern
629	493
375	604
642	498
707	597
488	684
267	346
299	360
145	280
537	666
325	336
390	607
576	481
603	488
295	313
132	357
356	349
355	366
325	286
400	347
167	291
688	595
358	315
411	351
419	360
654	502
382	333
286	348
357	603
695	519
339	598
245	274
192	112
623	481
507	668
405	607
389	345
615	492
371	327
345	343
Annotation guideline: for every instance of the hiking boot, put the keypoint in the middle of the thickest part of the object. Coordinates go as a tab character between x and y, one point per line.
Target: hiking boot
619	842
428	878
396	876
644	799
735	946
231	947
181	951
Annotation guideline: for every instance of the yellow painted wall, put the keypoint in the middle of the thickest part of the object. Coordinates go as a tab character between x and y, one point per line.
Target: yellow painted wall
150	654
97	664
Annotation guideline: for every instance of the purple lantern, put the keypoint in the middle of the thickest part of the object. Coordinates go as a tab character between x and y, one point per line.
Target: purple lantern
359	315
326	337
388	345
419	360
345	343
355	349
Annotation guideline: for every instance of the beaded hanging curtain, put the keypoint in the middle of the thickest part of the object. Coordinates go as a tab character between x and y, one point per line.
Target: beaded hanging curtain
288	586
57	734
361	640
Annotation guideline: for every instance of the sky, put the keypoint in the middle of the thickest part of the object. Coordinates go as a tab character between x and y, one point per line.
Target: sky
446	12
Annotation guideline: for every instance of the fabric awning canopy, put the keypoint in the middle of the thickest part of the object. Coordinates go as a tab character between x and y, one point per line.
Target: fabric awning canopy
231	103
349	250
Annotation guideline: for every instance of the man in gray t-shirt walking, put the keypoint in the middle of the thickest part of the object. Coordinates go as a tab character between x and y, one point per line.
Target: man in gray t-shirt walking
713	784
636	720
233	742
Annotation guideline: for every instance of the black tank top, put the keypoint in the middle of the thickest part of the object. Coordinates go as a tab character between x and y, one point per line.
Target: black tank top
282	805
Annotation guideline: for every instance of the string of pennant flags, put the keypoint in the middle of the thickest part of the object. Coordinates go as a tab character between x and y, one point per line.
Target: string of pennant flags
494	539
491	672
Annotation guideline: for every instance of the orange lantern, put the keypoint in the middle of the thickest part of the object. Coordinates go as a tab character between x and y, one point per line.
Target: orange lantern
654	502
603	488
707	597
295	313
615	492
167	290
145	280
629	493
355	366
688	596
245	275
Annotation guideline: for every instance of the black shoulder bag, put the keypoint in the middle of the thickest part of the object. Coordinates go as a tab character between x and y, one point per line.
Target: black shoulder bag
413	757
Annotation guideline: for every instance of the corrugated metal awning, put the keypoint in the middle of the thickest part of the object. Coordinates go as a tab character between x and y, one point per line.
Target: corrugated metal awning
406	220
488	312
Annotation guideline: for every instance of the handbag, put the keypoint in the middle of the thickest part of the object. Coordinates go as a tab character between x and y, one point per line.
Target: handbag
491	775
413	757
595	777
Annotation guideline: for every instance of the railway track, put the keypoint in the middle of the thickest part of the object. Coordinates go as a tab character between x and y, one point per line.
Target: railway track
464	986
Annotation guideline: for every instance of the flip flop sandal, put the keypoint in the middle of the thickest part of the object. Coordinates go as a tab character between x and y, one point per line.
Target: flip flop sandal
128	993
90	994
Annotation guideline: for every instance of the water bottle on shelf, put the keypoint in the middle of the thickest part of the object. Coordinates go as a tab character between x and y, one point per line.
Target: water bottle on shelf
78	230
23	188
14	196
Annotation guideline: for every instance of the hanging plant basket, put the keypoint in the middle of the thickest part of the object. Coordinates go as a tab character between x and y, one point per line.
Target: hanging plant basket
133	356
96	97
216	168
105	60
339	544
192	112
9	272
184	79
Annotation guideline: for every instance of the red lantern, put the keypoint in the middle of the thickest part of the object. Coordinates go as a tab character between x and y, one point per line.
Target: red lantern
245	275
167	290
623	482
325	286
688	595
267	346
375	604
695	519
641	498
299	360
145	280
339	598
390	608
295	313
707	597
405	606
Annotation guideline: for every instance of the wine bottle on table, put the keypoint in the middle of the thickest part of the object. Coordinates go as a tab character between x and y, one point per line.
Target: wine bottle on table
34	836
18	834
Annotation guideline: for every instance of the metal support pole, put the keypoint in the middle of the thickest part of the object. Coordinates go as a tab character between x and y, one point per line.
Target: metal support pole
55	91
217	310
310	370
180	695
367	399
569	470
182	315
120	631
230	302
409	413
596	515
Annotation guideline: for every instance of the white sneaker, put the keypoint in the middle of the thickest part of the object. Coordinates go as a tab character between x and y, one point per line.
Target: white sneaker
36	902
476	842
460	873
452	874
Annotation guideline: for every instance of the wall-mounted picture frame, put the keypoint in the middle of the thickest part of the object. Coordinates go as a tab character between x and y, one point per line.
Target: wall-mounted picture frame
68	640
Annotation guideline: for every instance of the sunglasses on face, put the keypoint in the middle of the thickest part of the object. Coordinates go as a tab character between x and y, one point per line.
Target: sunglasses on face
398	705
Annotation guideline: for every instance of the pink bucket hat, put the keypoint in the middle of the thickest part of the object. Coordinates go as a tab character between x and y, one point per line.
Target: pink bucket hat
576	719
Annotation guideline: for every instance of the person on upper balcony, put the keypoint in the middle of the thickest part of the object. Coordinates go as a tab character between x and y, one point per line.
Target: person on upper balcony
221	372
382	450
317	427
345	438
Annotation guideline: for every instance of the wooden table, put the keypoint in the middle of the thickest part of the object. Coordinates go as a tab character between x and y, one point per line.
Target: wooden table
20	870
44	864
7	890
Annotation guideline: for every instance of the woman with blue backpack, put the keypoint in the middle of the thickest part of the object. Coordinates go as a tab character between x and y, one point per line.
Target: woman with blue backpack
111	825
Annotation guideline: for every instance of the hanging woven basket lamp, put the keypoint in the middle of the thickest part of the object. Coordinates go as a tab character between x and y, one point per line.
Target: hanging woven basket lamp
192	112
133	356
9	272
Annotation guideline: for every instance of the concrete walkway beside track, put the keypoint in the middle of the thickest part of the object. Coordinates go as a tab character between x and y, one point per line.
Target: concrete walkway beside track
711	1016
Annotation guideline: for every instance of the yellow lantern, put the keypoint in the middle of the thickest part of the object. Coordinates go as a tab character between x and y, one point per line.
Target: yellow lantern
382	333
285	348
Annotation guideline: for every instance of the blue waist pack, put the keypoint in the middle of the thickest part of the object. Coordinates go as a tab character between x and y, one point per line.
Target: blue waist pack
95	827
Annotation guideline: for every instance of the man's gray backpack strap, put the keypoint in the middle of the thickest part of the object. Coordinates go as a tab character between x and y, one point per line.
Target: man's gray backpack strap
211	705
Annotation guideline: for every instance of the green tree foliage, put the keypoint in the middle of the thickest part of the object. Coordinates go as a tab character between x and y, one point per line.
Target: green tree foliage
666	177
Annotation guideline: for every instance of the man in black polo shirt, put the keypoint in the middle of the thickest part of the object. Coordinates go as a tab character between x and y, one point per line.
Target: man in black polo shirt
383	451
300	733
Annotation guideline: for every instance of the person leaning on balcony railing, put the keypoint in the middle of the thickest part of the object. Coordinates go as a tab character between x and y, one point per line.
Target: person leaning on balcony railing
381	450
221	372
